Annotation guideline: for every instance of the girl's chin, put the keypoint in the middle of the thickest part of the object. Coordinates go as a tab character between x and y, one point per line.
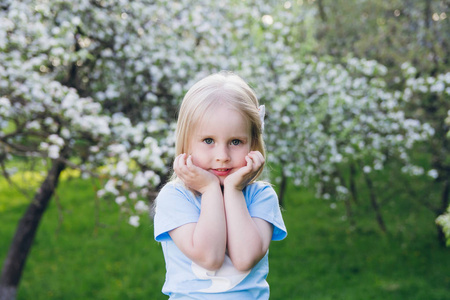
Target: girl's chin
222	175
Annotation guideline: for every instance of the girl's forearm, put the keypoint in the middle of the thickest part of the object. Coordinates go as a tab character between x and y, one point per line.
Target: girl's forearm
245	241
209	236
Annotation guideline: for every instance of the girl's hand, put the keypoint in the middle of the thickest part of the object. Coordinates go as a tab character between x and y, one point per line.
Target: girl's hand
239	179
193	177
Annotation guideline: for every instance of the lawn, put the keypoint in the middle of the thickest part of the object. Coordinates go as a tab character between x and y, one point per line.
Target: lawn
85	249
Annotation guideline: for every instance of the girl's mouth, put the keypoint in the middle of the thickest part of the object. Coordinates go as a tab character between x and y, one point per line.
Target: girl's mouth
221	172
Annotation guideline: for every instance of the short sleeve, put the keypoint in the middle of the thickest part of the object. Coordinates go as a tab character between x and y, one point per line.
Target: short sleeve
175	206
262	202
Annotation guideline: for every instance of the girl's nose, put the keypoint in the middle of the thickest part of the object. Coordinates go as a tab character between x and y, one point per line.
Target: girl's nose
222	154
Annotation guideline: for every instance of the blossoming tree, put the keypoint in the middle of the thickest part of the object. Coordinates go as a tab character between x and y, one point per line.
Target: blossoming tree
95	85
444	219
89	84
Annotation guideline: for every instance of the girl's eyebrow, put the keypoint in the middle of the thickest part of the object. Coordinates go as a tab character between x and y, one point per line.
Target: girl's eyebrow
234	137
203	135
244	138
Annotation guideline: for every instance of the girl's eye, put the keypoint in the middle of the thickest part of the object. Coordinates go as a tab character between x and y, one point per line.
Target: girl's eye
208	141
235	142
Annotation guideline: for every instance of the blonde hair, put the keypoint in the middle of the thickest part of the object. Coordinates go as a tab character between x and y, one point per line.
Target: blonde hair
207	94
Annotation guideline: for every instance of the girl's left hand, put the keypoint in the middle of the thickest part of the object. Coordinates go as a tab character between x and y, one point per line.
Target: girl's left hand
239	179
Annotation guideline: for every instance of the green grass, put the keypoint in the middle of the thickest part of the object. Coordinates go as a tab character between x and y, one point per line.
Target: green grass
322	258
75	258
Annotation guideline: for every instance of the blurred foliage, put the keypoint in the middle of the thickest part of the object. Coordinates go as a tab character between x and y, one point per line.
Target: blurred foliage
391	32
396	33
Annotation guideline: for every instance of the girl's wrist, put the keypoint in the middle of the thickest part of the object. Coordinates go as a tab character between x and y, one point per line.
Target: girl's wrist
211	187
233	187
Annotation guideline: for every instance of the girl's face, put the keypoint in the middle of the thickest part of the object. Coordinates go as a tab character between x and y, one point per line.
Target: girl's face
221	141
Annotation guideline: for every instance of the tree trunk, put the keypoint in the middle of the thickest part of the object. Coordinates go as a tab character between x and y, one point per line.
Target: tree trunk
374	202
322	14
348	205
353	191
427	14
25	233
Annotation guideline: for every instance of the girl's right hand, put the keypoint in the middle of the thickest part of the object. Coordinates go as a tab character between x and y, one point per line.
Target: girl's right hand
194	177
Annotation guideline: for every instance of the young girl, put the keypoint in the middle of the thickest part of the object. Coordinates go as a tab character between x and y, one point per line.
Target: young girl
214	221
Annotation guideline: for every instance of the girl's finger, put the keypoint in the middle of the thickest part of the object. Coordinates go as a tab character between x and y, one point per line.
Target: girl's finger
257	158
189	163
181	162
258	155
261	157
176	162
253	157
249	162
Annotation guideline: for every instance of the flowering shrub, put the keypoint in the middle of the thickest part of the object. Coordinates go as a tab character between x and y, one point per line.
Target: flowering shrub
97	84
444	219
339	114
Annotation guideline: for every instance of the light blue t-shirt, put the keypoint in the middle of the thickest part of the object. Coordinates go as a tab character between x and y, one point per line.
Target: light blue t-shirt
176	206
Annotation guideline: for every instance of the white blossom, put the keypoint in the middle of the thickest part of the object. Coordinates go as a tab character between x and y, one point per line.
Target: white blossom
120	200
121	168
367	169
56	140
140	180
53	151
110	187
134	221
101	193
433	173
140	206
